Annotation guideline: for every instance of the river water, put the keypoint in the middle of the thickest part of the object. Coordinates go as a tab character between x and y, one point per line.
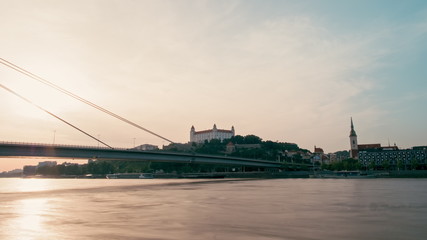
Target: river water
213	209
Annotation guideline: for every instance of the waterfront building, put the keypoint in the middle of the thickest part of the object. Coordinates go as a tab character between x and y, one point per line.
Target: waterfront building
394	157
318	155
207	135
230	148
47	164
297	155
375	155
332	157
146	147
355	147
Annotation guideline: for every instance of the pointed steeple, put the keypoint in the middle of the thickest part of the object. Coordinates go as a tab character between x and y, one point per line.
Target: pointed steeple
354	152
352	132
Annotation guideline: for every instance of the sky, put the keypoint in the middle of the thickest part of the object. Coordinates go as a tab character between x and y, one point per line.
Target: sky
288	71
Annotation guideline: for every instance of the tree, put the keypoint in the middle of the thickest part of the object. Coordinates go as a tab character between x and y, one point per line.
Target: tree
214	146
252	139
400	164
337	166
237	139
100	167
47	170
414	164
297	158
347	164
386	164
358	166
372	165
329	166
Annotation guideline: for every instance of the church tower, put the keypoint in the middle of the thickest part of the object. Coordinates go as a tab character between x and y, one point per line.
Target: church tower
353	142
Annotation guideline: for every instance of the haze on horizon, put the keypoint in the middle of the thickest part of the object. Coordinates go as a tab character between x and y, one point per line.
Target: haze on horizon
289	71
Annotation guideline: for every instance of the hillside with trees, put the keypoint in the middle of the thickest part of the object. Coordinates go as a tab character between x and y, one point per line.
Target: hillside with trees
249	146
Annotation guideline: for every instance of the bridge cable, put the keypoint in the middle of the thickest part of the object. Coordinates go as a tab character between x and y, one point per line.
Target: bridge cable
41	108
58	88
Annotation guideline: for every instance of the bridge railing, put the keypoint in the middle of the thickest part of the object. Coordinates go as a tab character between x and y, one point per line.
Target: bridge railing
61	145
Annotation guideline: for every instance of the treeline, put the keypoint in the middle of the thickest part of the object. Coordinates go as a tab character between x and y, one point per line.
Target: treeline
349	164
249	146
93	167
107	167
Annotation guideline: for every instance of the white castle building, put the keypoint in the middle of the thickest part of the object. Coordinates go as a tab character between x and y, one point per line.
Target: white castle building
214	133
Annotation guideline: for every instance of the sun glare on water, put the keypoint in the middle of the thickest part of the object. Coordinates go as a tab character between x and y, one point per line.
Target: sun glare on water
29	213
30	221
32	185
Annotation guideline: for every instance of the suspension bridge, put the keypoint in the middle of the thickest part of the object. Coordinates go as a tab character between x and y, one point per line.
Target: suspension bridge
11	149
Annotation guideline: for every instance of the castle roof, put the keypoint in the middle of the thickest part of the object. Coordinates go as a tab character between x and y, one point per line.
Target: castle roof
211	130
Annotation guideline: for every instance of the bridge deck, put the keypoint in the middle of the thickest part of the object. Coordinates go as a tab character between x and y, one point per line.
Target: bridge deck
8	149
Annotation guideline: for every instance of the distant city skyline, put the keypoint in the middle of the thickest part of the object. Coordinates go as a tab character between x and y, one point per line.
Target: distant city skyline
288	71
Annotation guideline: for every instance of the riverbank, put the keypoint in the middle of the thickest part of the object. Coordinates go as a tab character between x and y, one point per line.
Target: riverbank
306	174
407	174
260	175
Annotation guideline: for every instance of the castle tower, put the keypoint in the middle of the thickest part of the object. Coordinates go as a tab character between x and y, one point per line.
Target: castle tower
353	142
192	133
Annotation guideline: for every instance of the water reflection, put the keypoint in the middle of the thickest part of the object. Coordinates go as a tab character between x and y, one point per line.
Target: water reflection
222	209
30	219
31	185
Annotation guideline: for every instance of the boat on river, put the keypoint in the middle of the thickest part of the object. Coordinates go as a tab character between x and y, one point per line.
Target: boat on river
343	175
201	175
129	176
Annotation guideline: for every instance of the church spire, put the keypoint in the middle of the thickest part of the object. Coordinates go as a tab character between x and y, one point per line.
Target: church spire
354	152
352	132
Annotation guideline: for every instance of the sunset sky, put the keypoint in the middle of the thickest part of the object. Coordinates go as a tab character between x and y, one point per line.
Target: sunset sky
289	71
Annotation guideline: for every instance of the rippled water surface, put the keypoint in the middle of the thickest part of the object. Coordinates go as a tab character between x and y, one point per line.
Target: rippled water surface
213	209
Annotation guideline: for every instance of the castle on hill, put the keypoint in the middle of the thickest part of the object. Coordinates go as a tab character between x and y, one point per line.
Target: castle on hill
207	135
